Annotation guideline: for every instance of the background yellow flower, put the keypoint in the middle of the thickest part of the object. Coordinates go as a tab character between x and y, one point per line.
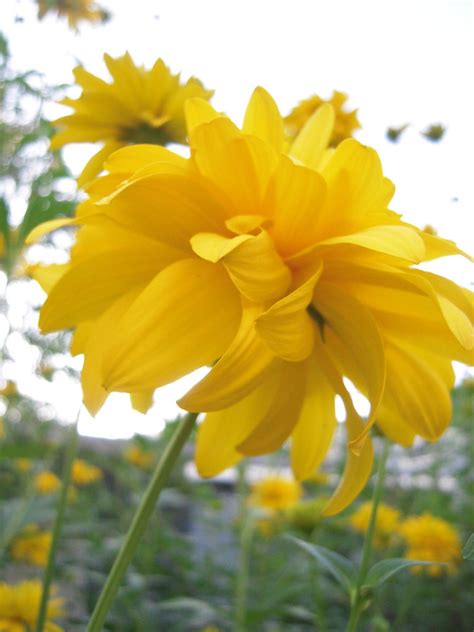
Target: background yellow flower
75	11
141	458
19	605
138	106
46	482
275	493
84	473
386	525
434	540
31	545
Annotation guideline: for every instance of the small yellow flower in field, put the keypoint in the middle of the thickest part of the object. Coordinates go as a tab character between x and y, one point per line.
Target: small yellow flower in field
75	11
31	545
46	482
345	122
84	473
210	628
19	606
140	458
280	267
386	525
23	465
431	539
138	106
274	493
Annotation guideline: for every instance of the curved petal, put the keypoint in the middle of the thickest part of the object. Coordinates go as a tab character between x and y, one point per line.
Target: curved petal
184	319
240	369
96	164
197	112
310	144
356	328
286	327
437	247
280	419
142	401
313	434
263	119
130	159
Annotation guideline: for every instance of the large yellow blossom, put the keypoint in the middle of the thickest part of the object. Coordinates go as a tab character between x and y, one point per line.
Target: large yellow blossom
345	122
386	526
75	11
84	473
138	106
31	545
274	493
19	606
434	540
284	270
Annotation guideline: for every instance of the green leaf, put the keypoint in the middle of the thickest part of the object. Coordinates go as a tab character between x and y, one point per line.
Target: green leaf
41	209
24	451
381	571
4	225
468	550
342	569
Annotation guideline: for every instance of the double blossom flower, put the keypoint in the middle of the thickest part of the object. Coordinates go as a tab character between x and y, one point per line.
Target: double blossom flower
282	269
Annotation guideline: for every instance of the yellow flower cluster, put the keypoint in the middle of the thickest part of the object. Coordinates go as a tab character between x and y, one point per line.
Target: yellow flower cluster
84	473
345	122
279	265
138	106
432	539
386	526
23	465
46	482
19	606
140	458
275	493
31	545
75	11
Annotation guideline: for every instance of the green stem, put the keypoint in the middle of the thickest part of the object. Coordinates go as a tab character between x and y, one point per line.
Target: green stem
357	601
241	590
57	527
140	521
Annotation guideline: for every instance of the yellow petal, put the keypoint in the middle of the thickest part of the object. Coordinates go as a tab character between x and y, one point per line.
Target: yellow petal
241	224
47	276
48	227
240	369
89	287
312	435
356	328
283	413
438	247
184	319
222	431
263	119
130	159
96	164
356	471
286	327
251	261
80	336
142	401
198	111
313	139
293	200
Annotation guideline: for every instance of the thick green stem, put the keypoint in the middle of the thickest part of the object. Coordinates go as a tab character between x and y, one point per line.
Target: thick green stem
57	527
140	521
357	601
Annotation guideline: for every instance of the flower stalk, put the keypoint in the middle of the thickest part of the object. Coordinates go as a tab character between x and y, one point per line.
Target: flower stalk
140	521
358	600
57	527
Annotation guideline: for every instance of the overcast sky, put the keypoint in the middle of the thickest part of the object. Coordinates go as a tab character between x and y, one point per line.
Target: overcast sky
399	60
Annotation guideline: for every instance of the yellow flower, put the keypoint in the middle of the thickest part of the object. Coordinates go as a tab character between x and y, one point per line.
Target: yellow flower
84	473
274	493
47	482
139	106
285	272
387	523
23	465
19	605
431	539
75	11
345	122
31	545
140	458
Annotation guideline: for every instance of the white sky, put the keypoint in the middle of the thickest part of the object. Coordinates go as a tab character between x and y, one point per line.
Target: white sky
399	60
